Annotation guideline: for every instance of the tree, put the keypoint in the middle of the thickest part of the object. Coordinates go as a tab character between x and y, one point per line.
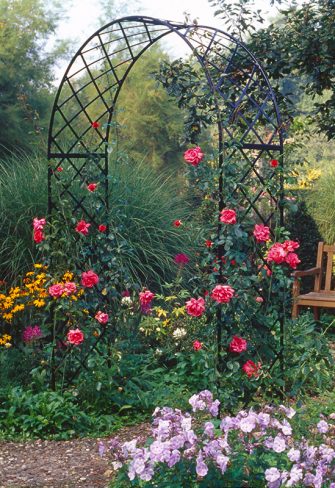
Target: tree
26	71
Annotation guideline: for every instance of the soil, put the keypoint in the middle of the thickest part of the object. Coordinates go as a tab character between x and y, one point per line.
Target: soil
60	464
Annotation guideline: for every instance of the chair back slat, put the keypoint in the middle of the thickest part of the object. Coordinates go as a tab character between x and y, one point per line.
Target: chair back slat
318	277
329	270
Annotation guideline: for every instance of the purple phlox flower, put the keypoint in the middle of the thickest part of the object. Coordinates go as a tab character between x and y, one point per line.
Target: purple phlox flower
214	408
268	442
294	455
272	475
102	448
201	466
286	427
322	426
310	454
190	438
139	466
129	448
248	424
163	429
263	419
295	475
203	401
279	444
288	411
327	453
160	451
186	423
196	403
212	449
177	442
174	458
209	429
229	423
222	462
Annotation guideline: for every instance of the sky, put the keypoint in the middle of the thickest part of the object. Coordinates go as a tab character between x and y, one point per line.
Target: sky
82	19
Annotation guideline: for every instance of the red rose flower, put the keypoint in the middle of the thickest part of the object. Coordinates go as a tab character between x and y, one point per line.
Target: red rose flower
82	227
222	293
75	337
38	236
95	125
290	246
89	279
193	156
177	223
59	169
92	187
195	307
233	262
181	259
228	216
102	228
238	344
209	243
274	163
276	253
197	345
261	233
292	260
101	317
251	369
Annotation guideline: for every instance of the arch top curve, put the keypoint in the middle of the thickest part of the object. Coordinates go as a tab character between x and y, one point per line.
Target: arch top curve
90	87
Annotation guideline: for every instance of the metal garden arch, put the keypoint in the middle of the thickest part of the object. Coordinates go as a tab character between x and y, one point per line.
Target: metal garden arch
247	114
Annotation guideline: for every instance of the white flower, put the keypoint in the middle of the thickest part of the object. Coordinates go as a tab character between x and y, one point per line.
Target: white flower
179	333
126	302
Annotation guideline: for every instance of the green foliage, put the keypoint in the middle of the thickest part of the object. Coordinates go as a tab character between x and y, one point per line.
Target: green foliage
321	205
26	70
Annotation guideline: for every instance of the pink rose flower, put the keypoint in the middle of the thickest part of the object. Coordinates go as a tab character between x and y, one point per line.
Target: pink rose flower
75	337
197	345
38	236
92	187
101	317
276	253
228	216
82	227
292	260
251	369
209	243
70	288
38	224
89	279
238	344
56	290
193	156
261	233
102	228
259	299
181	259
222	293
195	307
146	297
290	246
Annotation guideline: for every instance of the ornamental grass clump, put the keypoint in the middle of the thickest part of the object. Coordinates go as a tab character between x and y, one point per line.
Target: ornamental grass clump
254	446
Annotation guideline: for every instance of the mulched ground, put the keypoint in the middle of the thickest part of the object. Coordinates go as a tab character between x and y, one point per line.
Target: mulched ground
59	464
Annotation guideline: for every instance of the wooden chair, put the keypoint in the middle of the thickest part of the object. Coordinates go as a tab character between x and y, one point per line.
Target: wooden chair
323	295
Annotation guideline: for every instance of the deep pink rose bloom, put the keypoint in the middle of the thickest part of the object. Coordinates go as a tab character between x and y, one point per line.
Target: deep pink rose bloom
181	259
195	307
274	163
261	233
146	297
70	288
276	253
38	224
75	337
31	333
177	223
82	227
125	293
228	216
102	228
259	299
193	156
222	293
89	279
238	344
197	345
38	236
292	260
95	125
92	187
251	369
101	317
56	290
290	246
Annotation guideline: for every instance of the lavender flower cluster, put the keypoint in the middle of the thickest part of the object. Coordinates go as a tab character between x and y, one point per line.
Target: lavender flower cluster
177	436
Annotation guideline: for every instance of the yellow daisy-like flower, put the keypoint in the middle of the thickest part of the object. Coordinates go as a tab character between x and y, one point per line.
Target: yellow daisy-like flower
30	273
8	316
39	303
8	345
161	312
85	311
68	276
38	266
18	308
